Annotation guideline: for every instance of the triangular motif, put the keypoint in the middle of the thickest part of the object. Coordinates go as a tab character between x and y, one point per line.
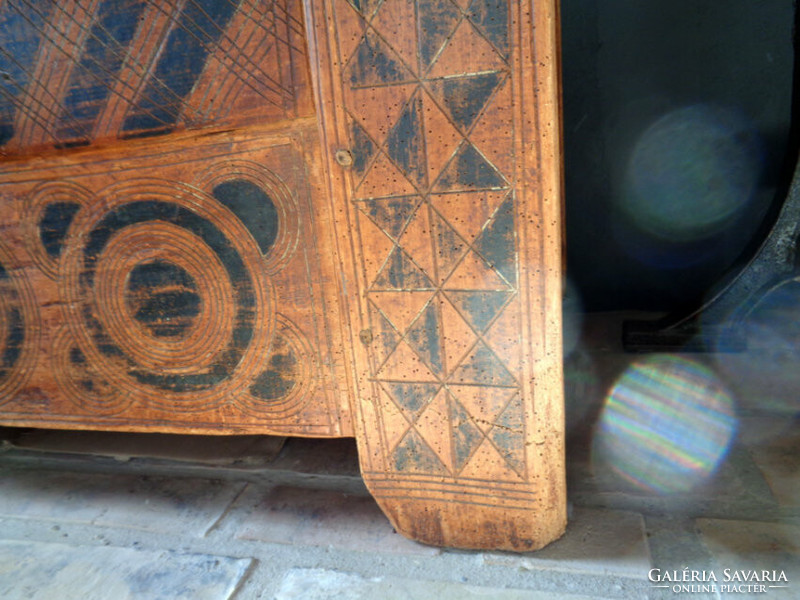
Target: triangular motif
384	179
504	336
491	17
442	138
466	436
457	336
484	403
468	170
474	273
349	27
392	99
437	20
417	242
497	123
413	455
400	308
412	398
467	212
365	7
391	215
374	63
479	308
425	337
496	242
463	98
384	336
508	435
405	365
482	367
362	148
379	244
405	143
466	41
391	21
395	424
449	246
487	464
434	427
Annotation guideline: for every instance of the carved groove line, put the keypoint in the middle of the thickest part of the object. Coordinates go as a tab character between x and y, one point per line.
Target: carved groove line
431	181
127	68
284	202
167	292
19	328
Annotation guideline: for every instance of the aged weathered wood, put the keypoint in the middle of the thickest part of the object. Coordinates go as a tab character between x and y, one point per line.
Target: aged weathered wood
194	241
74	73
179	285
449	241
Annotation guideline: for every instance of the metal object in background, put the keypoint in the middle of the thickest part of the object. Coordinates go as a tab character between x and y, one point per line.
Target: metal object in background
719	325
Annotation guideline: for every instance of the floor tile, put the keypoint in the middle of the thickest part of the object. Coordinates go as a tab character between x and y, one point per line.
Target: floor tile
754	546
43	571
596	541
300	516
779	462
183	506
674	544
322	584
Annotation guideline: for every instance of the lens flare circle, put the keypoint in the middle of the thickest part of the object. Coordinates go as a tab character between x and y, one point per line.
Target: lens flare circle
691	173
666	425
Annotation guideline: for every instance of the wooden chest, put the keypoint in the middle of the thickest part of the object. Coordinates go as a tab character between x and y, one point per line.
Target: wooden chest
337	218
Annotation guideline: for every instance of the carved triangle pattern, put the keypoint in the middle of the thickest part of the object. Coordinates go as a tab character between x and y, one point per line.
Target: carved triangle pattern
423	77
432	421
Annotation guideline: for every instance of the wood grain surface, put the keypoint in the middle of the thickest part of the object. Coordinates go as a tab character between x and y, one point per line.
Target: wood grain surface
75	73
176	286
450	244
341	218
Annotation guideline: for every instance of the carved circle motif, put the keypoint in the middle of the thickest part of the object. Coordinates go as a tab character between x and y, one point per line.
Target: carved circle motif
157	326
282	388
19	329
166	295
243	172
49	211
82	383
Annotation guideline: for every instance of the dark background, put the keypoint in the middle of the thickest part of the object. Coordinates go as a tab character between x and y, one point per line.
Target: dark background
677	120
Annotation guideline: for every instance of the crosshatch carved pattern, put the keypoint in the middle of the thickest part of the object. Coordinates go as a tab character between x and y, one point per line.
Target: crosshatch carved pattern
79	71
433	182
185	293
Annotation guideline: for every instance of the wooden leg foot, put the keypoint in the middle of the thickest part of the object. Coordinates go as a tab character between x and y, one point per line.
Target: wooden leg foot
441	129
450	521
463	467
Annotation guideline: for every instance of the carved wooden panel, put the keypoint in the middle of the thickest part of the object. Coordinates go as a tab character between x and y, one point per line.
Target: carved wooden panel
75	72
177	286
449	113
381	258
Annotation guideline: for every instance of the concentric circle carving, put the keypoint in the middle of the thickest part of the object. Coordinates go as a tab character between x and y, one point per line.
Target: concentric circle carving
282	388
262	201
19	328
166	295
49	211
81	382
162	292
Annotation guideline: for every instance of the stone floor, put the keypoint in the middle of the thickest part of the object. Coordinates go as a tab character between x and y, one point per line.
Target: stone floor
114	516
